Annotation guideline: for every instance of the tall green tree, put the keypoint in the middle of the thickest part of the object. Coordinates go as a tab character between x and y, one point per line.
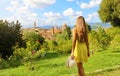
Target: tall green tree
33	40
88	27
10	35
110	12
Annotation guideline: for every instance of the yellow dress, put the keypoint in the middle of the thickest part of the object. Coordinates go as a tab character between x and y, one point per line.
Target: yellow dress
80	52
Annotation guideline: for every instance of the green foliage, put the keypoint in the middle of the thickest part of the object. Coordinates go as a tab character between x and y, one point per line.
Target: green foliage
99	39
3	63
28	53
65	46
32	36
52	45
64	41
115	43
22	55
68	32
65	35
9	36
113	31
33	40
94	45
32	51
14	61
89	28
62	46
109	12
31	45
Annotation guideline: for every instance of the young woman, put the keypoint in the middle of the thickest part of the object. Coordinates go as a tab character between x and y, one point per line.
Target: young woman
80	45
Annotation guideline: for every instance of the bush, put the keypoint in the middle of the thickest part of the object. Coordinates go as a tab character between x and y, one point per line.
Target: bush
63	42
52	45
3	63
33	36
15	61
115	43
65	46
99	40
29	53
113	31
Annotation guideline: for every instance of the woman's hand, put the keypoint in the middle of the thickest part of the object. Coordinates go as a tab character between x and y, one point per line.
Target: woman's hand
88	54
72	55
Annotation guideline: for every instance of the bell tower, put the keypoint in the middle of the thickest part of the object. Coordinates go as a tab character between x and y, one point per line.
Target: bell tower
34	24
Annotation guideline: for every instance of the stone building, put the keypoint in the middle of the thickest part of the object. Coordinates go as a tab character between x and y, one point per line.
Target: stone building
49	33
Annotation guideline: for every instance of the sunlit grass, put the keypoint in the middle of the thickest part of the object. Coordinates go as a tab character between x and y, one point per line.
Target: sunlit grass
54	64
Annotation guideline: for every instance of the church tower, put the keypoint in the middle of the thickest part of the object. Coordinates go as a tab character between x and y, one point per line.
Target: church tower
34	24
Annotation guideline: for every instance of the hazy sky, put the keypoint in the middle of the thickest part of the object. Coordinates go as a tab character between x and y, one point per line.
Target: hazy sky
49	12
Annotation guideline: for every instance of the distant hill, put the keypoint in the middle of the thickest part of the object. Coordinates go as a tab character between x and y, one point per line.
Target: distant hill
104	25
45	27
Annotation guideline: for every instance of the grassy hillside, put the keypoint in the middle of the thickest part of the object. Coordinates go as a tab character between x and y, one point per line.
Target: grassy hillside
54	64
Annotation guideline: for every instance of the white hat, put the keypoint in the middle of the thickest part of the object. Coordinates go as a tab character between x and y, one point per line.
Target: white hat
70	62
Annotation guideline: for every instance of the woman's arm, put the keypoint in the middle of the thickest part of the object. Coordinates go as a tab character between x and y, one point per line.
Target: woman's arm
87	44
73	43
86	40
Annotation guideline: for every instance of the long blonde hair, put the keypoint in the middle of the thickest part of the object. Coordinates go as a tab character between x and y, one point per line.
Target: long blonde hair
80	30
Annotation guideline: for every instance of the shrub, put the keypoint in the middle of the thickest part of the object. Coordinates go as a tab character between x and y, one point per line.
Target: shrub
33	36
94	44
3	63
15	61
113	31
65	46
115	43
99	39
64	42
52	45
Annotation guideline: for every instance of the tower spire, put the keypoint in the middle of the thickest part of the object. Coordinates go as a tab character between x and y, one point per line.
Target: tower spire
34	24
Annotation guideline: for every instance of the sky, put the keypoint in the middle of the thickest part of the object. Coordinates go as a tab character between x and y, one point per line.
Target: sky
49	12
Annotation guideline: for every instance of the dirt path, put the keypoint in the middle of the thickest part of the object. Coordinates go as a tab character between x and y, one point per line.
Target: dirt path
112	73
108	73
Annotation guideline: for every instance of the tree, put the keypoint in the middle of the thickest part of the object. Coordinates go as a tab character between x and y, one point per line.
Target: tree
99	39
10	35
88	27
68	32
110	12
33	40
65	35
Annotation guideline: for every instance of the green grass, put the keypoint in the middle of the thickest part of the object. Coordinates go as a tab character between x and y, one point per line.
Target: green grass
54	64
114	71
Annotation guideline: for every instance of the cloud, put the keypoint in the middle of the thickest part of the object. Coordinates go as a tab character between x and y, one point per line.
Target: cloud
94	17
91	4
14	5
52	16
71	13
22	13
26	17
38	3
